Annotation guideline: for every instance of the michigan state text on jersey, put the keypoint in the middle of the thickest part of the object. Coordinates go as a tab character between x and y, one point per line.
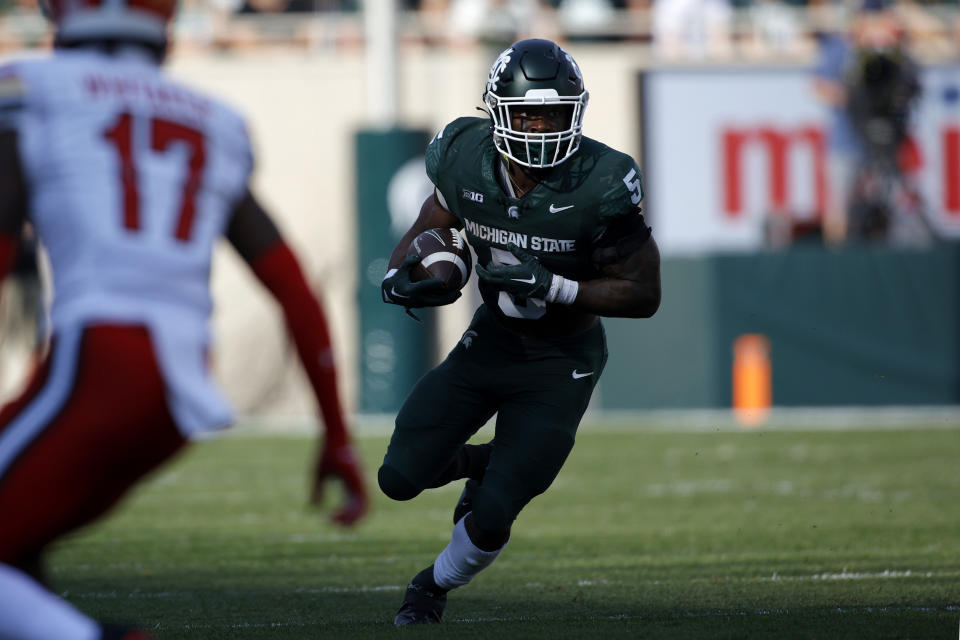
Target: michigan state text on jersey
555	221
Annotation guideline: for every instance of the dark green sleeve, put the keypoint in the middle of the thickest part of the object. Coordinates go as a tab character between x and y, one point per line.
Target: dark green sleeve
443	161
625	193
435	152
441	147
621	222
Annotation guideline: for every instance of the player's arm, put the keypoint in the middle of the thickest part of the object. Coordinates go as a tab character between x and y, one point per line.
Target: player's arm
258	241
626	255
13	200
630	287
433	215
397	287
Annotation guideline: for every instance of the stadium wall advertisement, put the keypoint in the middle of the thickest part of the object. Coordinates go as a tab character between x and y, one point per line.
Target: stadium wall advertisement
726	149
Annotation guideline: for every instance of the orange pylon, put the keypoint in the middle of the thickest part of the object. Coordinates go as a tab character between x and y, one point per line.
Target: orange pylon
752	379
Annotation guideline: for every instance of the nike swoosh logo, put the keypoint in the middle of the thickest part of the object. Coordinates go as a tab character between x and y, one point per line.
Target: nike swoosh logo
556	209
393	292
530	281
577	375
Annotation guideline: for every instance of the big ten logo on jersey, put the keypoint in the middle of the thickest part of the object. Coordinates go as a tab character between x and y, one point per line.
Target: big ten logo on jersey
473	196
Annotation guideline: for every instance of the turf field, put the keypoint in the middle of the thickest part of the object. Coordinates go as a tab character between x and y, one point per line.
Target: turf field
771	533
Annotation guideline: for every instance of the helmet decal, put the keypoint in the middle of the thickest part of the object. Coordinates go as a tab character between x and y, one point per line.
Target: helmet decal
498	68
574	66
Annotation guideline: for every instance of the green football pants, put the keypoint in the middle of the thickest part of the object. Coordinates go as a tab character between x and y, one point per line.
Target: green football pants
539	390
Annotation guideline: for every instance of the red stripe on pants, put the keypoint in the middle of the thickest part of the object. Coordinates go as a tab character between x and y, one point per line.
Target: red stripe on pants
113	429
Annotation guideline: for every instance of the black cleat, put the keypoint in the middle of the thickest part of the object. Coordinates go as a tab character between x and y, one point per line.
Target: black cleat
465	503
424	601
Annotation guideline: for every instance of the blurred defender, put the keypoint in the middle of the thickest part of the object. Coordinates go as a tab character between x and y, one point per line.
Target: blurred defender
560	239
129	179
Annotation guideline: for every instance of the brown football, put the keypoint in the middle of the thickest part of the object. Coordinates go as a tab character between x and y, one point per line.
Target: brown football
443	254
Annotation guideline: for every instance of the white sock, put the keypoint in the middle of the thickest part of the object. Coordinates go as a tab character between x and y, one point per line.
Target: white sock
461	560
30	612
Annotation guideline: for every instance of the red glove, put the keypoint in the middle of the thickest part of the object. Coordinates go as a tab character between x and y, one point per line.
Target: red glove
280	272
339	462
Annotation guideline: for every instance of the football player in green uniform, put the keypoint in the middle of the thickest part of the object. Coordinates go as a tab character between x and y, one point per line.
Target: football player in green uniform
556	224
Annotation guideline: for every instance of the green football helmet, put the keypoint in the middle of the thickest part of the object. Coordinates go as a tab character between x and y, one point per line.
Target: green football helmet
535	73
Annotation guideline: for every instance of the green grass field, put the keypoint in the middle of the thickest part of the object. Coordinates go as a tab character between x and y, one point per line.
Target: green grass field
768	533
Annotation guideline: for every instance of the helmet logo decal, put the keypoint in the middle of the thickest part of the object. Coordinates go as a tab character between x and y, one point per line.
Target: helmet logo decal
498	68
574	66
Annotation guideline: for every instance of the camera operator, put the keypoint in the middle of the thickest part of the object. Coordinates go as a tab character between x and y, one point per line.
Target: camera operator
882	85
870	84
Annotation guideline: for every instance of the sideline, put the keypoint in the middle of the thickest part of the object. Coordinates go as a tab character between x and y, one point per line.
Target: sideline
661	420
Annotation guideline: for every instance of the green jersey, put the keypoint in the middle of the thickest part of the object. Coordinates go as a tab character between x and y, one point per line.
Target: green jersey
561	220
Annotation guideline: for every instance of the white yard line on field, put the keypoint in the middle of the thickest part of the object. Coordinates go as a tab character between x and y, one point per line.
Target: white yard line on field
862	575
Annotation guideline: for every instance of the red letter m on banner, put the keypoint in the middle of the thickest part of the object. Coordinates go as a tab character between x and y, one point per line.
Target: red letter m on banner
777	144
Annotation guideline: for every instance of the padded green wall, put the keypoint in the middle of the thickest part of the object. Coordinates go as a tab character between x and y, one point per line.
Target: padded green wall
394	351
861	326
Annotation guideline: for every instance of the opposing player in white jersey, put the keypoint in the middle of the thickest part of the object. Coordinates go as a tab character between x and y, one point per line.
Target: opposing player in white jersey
129	179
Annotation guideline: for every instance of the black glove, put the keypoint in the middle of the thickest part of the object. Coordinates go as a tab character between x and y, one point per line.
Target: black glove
399	289
528	279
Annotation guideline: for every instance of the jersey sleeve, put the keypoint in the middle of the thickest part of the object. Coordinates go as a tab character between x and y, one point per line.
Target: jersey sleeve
625	193
13	96
234	134
442	159
621	221
440	149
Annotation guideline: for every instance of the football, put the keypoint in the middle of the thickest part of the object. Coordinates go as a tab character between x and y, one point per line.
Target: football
443	254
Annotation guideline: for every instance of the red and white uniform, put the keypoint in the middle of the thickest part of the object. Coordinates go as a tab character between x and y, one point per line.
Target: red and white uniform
132	178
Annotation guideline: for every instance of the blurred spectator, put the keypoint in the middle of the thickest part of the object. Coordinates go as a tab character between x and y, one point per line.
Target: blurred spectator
587	19
775	29
869	83
295	6
842	145
432	15
692	28
21	25
499	23
928	34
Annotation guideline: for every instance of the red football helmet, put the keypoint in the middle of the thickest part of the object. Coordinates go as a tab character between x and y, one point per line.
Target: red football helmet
121	20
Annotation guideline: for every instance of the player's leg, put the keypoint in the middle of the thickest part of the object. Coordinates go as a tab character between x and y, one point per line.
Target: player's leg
93	422
536	425
446	407
533	442
524	462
